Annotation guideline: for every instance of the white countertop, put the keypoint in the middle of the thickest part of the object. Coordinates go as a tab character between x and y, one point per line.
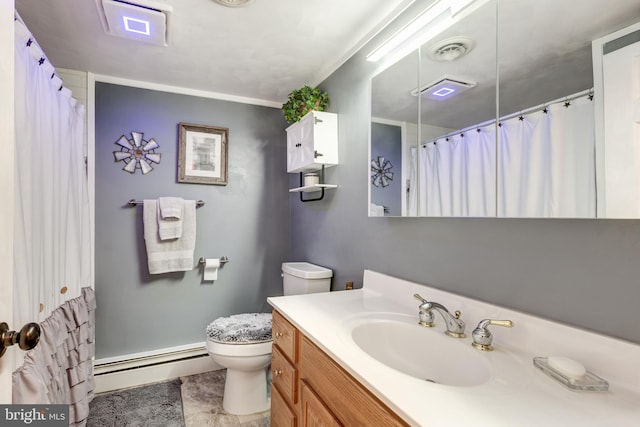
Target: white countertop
517	394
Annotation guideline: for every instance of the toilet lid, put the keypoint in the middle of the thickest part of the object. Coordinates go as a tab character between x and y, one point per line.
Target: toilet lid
246	328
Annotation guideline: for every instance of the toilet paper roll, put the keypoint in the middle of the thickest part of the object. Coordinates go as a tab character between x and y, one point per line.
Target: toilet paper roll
211	266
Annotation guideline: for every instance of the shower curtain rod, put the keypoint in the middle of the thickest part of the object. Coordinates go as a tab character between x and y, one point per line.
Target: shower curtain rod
36	51
568	98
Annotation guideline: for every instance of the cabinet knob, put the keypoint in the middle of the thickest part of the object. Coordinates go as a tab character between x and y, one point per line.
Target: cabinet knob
277	372
278	335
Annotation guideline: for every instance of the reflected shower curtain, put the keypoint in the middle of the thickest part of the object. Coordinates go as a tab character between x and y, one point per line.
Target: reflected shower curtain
546	165
457	174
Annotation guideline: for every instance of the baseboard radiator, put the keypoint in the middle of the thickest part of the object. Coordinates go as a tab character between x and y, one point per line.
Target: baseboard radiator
138	369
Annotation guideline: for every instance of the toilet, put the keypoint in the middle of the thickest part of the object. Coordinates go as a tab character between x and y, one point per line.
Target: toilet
241	343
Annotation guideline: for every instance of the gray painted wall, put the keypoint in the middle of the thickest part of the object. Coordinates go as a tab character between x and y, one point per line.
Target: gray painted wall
581	272
247	220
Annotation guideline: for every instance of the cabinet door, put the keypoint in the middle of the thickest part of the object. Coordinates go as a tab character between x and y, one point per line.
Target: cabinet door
314	413
345	397
281	414
300	145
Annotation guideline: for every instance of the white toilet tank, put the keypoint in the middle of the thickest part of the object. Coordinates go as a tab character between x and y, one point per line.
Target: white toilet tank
304	278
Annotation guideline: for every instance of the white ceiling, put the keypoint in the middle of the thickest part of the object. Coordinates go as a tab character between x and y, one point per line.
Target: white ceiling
262	51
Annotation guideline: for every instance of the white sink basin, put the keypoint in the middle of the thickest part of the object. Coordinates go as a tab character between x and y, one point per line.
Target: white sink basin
428	354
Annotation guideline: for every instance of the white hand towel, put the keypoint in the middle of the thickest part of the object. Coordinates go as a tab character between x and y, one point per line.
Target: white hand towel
170	217
171	207
164	256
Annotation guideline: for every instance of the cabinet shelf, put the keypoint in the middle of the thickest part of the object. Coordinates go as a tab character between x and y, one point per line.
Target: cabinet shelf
311	188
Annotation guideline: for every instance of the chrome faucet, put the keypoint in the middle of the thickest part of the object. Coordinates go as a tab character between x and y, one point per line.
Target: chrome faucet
482	336
455	326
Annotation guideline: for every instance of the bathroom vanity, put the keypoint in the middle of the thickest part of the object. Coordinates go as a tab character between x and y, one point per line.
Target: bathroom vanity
360	358
309	385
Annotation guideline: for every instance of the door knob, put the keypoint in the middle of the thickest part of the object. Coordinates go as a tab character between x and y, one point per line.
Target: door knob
26	338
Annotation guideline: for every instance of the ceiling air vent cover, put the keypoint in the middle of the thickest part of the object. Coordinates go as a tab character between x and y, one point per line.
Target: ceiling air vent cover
234	3
450	49
443	88
145	20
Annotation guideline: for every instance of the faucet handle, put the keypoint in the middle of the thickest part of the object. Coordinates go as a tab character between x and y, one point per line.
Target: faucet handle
419	298
482	336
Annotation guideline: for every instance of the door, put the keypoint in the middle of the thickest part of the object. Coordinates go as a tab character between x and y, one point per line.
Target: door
621	82
7	122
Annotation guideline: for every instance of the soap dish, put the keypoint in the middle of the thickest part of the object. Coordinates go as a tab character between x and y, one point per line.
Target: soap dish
589	382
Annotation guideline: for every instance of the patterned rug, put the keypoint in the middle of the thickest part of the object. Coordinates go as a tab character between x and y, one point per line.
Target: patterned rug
152	405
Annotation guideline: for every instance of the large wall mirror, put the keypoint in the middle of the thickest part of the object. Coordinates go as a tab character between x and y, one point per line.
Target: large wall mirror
507	110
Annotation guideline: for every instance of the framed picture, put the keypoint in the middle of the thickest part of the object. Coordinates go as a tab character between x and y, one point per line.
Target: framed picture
203	154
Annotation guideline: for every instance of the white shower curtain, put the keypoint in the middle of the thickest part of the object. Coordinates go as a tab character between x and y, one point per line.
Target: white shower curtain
545	167
52	250
457	174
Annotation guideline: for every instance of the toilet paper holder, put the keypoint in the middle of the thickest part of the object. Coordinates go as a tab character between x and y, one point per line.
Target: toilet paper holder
223	261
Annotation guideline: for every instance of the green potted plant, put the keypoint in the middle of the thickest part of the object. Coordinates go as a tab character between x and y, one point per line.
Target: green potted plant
303	100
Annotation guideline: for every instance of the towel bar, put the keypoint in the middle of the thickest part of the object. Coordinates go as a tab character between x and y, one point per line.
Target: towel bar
134	202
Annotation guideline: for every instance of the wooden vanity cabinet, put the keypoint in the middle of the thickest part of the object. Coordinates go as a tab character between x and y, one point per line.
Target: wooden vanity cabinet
309	389
284	373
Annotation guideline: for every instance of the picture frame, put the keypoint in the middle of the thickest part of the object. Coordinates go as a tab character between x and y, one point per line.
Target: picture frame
203	153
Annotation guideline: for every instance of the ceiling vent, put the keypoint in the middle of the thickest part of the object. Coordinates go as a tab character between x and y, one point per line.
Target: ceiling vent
443	88
450	49
145	20
234	3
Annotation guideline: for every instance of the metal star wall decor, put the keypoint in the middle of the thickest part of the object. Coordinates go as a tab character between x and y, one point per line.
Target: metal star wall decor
381	172
136	153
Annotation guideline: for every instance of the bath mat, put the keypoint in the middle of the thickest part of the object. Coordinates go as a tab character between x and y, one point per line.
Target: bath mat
147	406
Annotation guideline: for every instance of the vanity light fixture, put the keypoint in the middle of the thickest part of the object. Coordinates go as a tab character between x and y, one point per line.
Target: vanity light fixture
436	18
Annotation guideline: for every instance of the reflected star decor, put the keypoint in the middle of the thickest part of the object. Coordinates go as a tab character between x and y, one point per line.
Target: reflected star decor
381	172
136	153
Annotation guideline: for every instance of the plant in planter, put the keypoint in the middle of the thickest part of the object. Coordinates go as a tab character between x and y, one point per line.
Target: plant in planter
303	100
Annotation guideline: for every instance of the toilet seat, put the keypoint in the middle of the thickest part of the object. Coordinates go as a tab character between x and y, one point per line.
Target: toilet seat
245	328
245	334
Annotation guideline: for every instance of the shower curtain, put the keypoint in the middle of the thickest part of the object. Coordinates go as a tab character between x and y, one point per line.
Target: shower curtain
457	174
52	243
544	166
52	249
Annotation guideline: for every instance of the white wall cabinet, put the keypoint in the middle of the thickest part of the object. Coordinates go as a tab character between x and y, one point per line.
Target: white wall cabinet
312	142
